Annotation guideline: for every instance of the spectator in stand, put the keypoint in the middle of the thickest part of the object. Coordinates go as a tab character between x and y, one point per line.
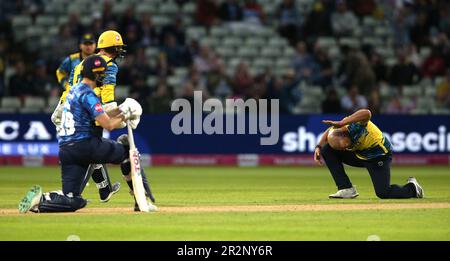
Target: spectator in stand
443	91
107	15
444	19
358	71
20	83
434	65
353	101
32	8
259	88
318	21
324	75
404	72
379	67
181	3
162	69
331	104
303	63
275	91
188	93
132	38
112	25
42	84
97	24
3	47
129	19
75	27
177	56
160	101
395	106
285	90
196	80
218	82
149	36
141	66
124	76
443	42
230	11
412	54
64	43
402	24
242	80
290	87
290	20
140	91
253	12
207	12
176	29
193	47
431	8
420	32
206	60
374	101
363	8
343	21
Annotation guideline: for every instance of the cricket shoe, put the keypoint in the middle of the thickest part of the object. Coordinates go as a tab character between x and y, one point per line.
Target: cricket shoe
31	199
106	194
151	207
345	193
419	190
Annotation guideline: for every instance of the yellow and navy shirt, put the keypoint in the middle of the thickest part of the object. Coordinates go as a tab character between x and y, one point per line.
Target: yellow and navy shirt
105	92
66	67
368	142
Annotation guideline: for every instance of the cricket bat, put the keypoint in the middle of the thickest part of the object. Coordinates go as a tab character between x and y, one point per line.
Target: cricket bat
136	176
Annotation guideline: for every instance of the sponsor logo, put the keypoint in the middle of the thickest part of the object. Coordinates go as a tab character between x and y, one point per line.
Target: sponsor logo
438	141
97	63
36	130
136	163
29	148
98	107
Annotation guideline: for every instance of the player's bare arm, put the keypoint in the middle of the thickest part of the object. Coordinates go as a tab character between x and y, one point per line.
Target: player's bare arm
322	142
111	123
130	110
362	116
114	112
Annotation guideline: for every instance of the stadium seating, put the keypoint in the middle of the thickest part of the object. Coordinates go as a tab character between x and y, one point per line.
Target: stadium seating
259	45
10	104
33	105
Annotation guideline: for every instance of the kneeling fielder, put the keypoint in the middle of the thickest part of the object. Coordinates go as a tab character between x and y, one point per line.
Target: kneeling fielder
357	142
78	146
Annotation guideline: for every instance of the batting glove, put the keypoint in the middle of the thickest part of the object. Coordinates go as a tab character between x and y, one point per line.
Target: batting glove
130	108
134	122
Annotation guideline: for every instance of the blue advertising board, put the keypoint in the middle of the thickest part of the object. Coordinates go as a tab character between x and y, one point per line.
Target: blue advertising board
34	134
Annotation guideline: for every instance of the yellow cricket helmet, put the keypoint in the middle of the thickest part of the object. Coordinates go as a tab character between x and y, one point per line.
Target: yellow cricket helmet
109	39
112	42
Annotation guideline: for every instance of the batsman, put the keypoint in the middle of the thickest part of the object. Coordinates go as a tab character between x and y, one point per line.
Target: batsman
79	146
110	47
356	141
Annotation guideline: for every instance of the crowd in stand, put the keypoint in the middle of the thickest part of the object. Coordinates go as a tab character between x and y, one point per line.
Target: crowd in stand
362	71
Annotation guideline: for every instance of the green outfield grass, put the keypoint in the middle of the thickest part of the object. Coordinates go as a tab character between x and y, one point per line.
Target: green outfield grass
207	186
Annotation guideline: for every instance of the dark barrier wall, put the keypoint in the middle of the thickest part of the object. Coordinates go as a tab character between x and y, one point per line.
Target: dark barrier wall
34	134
